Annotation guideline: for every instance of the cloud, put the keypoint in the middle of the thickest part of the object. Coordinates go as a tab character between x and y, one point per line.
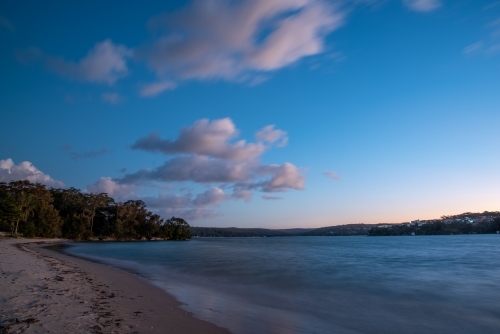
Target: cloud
195	168
243	175
213	196
286	176
422	6
204	138
190	214
28	55
6	24
489	46
271	135
234	40
332	175
105	63
113	189
111	98
271	198
84	155
242	193
168	205
156	88
208	153
25	170
473	48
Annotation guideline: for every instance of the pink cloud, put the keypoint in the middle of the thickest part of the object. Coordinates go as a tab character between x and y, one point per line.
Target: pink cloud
222	39
204	138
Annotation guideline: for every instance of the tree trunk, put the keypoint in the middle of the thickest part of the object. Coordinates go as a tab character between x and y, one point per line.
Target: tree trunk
15	231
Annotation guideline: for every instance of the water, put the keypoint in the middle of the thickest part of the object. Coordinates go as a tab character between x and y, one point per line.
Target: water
431	284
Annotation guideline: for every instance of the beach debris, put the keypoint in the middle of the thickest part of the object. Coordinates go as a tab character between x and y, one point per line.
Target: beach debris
30	321
96	328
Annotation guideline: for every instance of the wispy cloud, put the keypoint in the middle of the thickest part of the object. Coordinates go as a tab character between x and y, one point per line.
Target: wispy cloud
271	198
85	155
473	48
271	135
156	88
111	98
490	45
422	6
332	175
235	40
6	24
105	63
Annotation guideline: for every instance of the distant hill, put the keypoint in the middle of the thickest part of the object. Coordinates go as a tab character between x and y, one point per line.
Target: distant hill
340	230
465	223
245	232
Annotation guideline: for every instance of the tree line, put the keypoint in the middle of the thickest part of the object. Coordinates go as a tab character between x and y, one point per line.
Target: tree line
33	210
438	227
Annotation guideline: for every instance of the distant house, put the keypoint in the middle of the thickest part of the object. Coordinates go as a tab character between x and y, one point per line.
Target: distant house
416	222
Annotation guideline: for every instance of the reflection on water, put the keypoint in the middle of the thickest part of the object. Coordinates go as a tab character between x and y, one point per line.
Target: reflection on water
434	284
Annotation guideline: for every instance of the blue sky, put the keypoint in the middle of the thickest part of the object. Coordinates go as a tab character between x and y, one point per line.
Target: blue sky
350	111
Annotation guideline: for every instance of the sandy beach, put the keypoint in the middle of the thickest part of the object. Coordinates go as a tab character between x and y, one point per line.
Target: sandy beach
43	291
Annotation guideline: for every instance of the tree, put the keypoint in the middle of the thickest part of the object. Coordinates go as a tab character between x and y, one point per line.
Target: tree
10	213
95	201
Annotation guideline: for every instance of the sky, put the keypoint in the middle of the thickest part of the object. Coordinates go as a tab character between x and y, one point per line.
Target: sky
257	113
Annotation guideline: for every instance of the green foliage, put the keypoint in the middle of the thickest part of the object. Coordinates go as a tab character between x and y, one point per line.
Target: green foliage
34	211
458	224
28	209
10	212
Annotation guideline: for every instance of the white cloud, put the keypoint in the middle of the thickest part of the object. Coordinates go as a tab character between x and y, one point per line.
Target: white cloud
25	170
422	5
106	62
229	40
156	88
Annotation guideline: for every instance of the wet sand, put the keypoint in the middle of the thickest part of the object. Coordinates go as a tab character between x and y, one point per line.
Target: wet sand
44	291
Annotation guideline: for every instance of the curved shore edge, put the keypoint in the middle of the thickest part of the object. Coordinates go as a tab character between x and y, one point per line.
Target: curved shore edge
43	290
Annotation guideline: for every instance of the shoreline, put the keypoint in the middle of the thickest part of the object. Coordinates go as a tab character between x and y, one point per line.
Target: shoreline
44	290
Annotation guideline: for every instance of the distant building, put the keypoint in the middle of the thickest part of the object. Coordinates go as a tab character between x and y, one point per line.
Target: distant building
416	222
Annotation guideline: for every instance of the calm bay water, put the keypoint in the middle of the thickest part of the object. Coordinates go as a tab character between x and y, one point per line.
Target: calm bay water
431	284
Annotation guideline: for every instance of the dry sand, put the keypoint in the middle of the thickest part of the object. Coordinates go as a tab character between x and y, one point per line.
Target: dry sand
43	291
